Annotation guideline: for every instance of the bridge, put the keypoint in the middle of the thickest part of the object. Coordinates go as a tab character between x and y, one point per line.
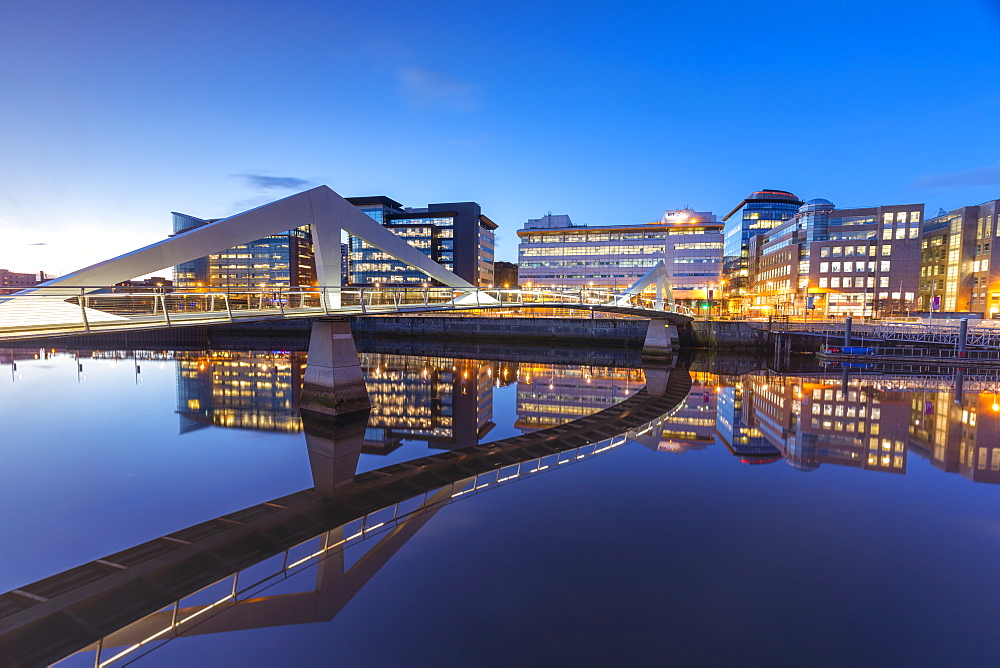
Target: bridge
86	300
118	606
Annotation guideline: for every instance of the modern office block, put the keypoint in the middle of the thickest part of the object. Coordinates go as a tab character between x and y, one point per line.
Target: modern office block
958	270
761	211
456	235
277	261
553	252
836	262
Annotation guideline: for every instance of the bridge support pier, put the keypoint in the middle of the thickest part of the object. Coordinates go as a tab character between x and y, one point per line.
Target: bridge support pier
661	339
333	383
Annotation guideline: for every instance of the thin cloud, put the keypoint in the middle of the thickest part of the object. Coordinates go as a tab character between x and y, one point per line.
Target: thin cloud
983	176
427	89
39	243
266	183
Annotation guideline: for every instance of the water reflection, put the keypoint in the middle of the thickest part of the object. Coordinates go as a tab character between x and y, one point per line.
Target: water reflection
198	570
809	419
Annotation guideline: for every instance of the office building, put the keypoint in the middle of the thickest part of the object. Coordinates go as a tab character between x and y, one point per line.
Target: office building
12	281
958	273
758	213
835	262
277	261
554	252
505	274
456	235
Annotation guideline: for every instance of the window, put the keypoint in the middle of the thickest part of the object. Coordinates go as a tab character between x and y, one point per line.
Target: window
900	232
847	281
914	217
838	251
883	282
849	266
835	282
836	267
823	282
887	233
825	250
848	251
824	267
886	249
884	266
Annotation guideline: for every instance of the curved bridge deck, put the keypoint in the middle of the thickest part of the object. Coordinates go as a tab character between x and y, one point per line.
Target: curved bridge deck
62	311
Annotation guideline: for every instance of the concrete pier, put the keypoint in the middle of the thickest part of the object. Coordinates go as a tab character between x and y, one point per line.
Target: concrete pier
333	383
661	339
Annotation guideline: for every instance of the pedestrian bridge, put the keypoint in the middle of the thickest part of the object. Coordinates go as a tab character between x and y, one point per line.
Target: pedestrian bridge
86	300
56	311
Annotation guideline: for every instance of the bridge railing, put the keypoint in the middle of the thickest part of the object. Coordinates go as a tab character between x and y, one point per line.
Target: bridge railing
62	309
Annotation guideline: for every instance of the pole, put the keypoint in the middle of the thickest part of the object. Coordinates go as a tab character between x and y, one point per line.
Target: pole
963	336
847	330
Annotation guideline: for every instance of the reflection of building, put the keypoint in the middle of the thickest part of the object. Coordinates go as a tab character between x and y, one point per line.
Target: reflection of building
958	271
242	390
446	402
555	253
456	235
821	423
280	260
958	437
692	424
736	428
549	395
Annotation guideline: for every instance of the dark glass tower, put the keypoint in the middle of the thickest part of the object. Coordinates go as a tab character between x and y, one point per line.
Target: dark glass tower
758	213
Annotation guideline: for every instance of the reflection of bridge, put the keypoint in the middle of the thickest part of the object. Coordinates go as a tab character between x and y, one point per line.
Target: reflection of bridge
80	302
52	618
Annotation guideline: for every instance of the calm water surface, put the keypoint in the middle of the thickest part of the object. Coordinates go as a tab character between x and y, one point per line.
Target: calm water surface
778	519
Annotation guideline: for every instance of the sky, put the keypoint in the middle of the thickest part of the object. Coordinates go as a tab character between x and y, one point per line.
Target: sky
114	113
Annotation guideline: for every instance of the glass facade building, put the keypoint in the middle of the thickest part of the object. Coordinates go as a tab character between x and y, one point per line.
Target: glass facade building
277	261
455	235
761	211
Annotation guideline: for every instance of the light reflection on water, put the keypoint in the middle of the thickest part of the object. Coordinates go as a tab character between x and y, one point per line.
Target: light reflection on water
106	450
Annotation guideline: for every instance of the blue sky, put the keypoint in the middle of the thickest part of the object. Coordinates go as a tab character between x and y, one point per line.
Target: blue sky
116	113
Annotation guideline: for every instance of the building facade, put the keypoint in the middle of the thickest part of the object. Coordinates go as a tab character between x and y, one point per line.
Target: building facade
761	211
12	281
456	235
553	252
837	262
958	273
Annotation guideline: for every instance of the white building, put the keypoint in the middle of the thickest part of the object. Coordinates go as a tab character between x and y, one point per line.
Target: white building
553	252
